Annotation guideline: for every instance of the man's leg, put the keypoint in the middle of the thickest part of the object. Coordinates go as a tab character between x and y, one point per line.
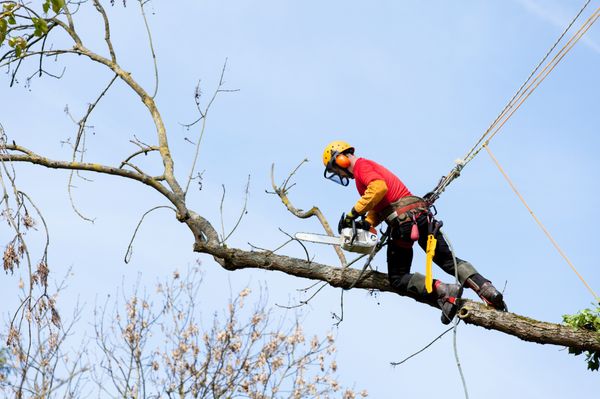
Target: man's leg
399	257
399	260
467	274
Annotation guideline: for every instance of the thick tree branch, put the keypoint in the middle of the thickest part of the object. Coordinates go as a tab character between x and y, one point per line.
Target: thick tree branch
529	329
471	312
30	157
146	99
207	241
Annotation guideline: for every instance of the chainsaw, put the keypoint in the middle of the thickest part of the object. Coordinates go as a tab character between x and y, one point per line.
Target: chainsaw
353	239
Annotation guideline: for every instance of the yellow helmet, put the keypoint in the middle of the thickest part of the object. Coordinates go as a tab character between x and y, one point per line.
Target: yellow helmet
336	147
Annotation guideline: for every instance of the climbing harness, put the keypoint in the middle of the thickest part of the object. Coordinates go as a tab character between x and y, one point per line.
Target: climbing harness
407	210
403	210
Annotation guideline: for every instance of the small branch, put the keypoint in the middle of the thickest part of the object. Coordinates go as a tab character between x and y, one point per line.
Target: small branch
271	250
242	213
299	242
221	213
144	151
314	211
132	166
101	10
142	4
83	122
203	115
305	302
40	68
78	140
46	53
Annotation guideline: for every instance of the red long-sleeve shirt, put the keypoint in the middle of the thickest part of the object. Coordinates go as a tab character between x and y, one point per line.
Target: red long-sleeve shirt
378	188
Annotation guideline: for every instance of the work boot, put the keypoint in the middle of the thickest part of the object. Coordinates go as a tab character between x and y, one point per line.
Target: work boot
491	296
446	299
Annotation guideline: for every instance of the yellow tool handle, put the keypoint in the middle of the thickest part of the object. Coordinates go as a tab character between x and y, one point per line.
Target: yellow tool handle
429	252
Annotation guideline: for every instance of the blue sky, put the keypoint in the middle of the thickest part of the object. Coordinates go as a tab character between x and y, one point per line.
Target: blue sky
411	85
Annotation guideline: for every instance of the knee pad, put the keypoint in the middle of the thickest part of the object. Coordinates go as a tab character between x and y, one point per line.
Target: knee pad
400	282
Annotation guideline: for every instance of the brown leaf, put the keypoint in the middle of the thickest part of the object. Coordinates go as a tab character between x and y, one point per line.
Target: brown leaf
43	272
55	317
10	258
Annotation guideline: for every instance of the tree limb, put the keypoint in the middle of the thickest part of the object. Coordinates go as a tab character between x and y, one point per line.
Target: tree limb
30	157
471	312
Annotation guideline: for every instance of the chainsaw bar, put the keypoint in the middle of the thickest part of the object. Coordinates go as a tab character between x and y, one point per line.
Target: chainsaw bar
319	238
353	240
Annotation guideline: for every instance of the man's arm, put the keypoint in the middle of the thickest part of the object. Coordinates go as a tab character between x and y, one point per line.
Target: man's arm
374	193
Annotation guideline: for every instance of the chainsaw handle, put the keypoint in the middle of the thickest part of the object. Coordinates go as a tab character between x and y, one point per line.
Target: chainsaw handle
354	232
341	223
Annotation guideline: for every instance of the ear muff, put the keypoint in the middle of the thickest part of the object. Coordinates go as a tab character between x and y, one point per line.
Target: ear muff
342	161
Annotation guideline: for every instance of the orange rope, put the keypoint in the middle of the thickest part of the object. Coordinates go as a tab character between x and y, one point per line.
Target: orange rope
540	223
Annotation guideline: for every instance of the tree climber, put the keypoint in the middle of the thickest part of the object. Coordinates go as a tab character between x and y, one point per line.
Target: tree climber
385	198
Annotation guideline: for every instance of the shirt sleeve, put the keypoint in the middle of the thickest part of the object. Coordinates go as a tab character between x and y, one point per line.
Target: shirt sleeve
374	193
373	218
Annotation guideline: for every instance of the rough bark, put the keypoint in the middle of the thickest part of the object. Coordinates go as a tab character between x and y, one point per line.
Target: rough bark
528	329
470	312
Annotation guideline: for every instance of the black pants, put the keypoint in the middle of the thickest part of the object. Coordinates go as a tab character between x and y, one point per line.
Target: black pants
400	255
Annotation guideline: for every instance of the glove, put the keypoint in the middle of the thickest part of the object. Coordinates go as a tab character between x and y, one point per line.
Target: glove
363	225
347	219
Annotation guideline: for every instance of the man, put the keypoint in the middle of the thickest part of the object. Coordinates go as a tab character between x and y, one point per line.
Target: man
385	198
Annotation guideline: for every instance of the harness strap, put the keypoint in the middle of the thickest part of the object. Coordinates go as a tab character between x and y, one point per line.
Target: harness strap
398	209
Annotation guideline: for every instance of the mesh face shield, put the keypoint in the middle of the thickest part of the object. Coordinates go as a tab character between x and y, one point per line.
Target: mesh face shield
335	177
336	174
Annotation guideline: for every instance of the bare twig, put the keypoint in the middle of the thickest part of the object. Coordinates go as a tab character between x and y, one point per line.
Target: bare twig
81	134
144	151
314	211
107	38
221	213
271	251
202	118
242	213
143	10
129	251
306	301
299	242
